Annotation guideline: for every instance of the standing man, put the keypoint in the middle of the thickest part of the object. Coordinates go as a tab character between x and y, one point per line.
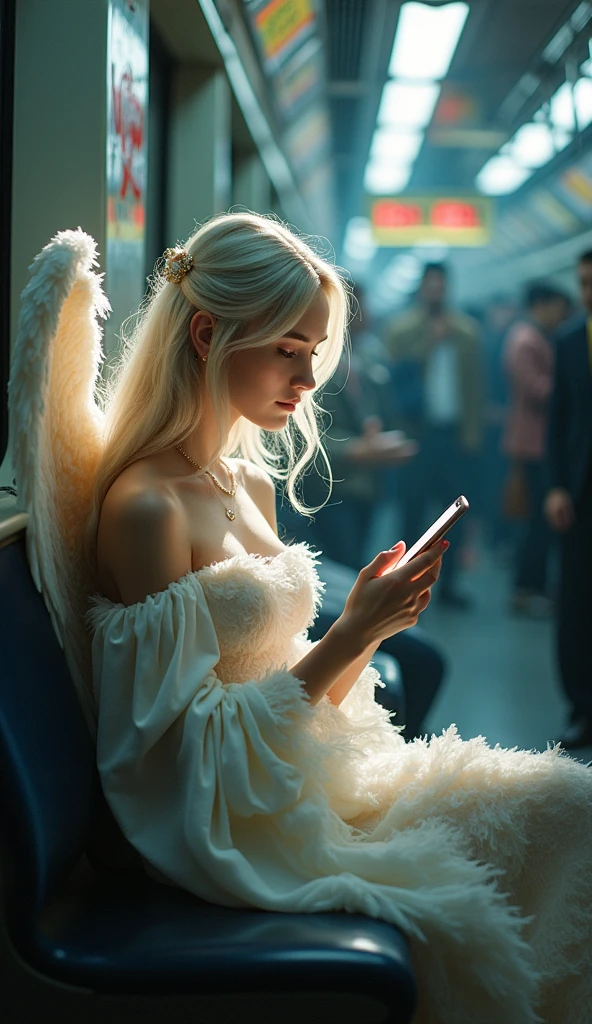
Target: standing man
528	361
568	507
438	374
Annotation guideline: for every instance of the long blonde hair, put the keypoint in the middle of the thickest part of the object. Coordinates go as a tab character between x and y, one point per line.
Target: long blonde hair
247	270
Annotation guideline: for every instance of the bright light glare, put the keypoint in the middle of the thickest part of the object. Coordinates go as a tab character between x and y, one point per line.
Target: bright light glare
409	106
400	147
501	175
426	39
358	243
533	145
562	105
385	179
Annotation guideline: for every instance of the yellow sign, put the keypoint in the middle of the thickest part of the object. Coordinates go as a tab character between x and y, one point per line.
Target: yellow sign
281	21
453	220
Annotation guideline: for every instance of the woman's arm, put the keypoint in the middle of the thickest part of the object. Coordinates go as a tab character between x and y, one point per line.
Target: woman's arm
375	608
383	601
341	688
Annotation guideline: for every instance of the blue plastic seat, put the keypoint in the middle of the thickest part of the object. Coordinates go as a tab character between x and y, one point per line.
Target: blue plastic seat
71	935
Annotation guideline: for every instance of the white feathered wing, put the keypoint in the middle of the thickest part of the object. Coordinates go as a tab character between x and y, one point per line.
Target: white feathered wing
56	432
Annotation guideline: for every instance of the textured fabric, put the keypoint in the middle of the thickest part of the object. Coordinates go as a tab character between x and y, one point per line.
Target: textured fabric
232	786
56	432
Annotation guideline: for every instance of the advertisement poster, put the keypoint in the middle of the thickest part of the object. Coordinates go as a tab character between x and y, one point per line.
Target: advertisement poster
127	119
281	26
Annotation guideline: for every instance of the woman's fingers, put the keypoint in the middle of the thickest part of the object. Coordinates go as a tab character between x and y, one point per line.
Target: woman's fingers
427	579
385	561
422	563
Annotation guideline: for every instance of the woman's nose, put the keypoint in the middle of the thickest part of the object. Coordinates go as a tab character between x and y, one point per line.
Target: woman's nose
304	379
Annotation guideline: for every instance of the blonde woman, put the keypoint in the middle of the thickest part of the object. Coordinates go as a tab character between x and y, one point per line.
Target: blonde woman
242	762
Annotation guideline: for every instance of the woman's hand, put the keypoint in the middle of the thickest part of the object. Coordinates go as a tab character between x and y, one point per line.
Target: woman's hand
385	600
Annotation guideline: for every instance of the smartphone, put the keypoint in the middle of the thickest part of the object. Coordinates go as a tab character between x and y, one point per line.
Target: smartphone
437	529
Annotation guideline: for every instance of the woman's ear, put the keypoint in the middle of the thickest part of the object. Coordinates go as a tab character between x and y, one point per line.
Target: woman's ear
201	329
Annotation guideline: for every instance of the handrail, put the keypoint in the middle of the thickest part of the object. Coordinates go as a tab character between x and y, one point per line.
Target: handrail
12	527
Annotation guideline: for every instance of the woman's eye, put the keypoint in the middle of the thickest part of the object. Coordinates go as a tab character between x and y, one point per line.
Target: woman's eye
290	355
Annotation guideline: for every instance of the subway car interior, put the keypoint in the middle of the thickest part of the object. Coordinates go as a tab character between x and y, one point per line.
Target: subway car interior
430	163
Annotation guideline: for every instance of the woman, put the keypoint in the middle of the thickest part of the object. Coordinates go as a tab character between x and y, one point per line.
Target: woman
244	763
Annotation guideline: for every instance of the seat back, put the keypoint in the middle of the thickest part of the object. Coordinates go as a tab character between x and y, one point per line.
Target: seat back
49	788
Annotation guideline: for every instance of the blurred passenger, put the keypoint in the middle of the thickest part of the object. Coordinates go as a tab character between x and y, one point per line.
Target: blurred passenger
439	379
499	315
362	446
568	507
528	362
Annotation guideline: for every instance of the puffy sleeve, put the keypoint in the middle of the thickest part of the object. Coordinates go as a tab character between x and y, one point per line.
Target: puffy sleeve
186	761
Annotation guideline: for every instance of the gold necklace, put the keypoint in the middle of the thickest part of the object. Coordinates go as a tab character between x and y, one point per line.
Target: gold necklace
230	513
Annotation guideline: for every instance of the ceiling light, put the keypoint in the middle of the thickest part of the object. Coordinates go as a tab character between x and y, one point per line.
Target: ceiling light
358	243
500	176
426	39
583	101
384	180
564	101
402	147
562	111
559	44
409	106
533	145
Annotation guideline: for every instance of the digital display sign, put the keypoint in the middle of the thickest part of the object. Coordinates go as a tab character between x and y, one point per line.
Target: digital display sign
281	22
453	220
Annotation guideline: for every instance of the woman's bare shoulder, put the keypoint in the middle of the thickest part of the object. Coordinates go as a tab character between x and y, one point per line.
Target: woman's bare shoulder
142	543
252	475
260	487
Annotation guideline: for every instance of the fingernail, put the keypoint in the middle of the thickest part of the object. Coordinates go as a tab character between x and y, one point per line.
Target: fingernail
445	545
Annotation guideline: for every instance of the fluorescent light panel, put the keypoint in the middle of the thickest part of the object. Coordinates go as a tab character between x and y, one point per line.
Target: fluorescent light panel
407	106
384	179
562	105
500	176
358	243
390	144
426	39
532	145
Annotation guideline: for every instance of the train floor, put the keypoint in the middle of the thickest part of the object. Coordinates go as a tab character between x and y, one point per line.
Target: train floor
501	679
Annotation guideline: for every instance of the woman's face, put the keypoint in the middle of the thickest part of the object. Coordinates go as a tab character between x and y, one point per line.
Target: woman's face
266	383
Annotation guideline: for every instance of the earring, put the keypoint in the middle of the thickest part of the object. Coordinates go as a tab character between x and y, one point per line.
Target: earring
204	359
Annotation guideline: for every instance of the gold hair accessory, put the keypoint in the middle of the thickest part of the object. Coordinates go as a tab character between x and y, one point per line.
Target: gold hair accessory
177	263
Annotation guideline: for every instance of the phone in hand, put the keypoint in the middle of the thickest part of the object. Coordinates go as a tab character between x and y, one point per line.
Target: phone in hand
437	530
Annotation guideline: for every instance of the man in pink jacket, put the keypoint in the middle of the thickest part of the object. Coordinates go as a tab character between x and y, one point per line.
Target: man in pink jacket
528	361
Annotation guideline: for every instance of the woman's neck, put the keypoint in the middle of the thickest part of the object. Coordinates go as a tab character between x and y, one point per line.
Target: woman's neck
203	442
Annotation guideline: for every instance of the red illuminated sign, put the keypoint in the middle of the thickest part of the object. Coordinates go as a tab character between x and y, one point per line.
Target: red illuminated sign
392	214
454	220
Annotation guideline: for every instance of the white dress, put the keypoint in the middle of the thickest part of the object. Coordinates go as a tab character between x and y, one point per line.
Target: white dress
229	784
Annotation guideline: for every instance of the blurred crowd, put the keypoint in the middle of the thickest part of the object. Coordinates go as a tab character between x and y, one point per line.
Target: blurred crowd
493	403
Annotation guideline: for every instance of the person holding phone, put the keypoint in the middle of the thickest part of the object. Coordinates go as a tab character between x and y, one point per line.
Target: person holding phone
243	762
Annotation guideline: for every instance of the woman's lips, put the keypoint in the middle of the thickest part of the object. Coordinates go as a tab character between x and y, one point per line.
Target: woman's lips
288	405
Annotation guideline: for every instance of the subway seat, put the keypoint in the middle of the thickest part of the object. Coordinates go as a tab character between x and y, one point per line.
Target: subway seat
71	934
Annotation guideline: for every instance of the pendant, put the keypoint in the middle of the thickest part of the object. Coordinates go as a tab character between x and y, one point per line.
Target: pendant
230	514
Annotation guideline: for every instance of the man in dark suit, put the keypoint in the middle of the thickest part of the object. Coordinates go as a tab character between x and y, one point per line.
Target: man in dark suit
568	507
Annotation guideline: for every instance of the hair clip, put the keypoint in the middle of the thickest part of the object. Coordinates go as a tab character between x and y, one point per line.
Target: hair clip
177	263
